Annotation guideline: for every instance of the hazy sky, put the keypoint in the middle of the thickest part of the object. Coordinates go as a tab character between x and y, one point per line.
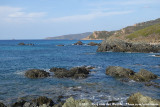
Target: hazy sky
37	19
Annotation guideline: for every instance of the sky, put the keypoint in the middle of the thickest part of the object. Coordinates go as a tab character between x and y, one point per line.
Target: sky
38	19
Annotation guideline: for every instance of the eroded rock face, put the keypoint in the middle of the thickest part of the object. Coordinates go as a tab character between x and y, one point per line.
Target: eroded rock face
140	99
78	43
36	73
70	102
141	76
76	72
117	71
117	45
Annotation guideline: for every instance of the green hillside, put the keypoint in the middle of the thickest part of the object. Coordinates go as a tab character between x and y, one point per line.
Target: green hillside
151	30
125	31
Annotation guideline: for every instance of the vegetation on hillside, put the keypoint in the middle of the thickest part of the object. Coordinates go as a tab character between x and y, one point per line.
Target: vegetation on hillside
151	30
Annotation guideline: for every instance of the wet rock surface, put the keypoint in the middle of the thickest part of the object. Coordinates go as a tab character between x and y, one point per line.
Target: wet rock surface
117	45
36	73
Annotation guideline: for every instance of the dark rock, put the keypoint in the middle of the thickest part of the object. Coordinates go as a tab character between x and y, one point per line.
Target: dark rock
22	44
157	55
43	100
117	71
2	105
60	45
138	98
59	104
76	72
19	103
117	45
54	69
78	43
112	102
36	73
93	44
144	75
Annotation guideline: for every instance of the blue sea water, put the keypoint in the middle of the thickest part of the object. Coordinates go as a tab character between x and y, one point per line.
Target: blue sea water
98	87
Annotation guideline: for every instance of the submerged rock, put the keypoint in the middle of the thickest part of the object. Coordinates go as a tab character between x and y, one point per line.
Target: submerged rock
154	84
2	105
117	71
70	102
36	73
93	44
76	72
142	101
60	45
118	45
43	100
78	43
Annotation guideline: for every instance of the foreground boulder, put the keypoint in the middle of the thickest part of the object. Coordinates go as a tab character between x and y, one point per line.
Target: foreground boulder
117	71
39	102
117	45
36	73
93	44
142	101
43	100
76	72
78	43
2	105
141	76
70	102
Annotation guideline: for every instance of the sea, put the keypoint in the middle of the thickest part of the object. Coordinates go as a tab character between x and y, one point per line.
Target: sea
45	54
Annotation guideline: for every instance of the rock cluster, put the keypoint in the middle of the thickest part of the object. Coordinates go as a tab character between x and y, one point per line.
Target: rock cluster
118	45
93	44
76	72
23	44
120	72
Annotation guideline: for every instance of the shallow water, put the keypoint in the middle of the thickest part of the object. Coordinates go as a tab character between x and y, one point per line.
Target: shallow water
98	87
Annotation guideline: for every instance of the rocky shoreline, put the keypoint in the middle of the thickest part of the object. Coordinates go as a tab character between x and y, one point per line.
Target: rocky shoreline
118	45
82	72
